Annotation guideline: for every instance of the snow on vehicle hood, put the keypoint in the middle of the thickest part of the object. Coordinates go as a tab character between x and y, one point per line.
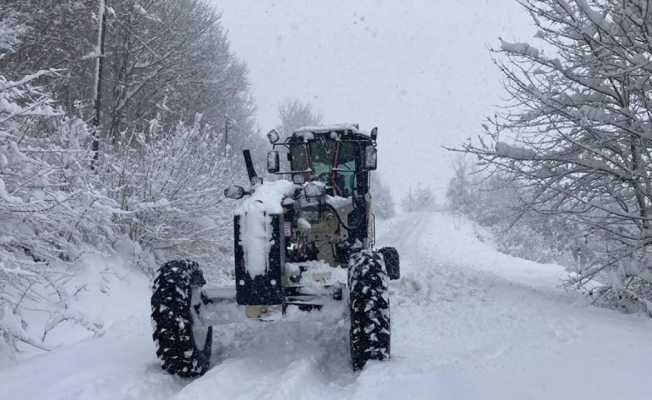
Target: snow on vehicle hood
267	197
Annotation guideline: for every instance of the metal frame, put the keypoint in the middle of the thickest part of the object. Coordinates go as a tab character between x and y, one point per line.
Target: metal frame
292	139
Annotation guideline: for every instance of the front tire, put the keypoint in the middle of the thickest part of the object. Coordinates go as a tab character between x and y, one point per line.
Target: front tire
369	307
174	310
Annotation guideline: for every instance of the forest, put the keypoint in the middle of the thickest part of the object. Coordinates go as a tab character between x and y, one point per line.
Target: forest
121	140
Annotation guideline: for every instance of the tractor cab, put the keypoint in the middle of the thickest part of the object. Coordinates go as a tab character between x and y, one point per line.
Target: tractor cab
339	156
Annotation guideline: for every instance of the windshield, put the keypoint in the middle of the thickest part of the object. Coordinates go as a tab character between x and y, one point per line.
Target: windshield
332	162
345	181
322	154
299	157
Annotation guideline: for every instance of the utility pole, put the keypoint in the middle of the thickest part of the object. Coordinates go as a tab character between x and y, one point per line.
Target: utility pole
99	66
226	135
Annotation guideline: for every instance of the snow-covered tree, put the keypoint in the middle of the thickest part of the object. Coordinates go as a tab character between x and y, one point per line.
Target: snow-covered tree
158	180
164	60
420	199
170	191
383	201
576	137
172	61
459	196
49	212
494	201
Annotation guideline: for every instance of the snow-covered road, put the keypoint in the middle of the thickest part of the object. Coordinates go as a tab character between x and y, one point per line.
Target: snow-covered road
467	323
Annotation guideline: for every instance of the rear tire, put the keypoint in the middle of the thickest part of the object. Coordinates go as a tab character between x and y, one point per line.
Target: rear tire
172	319
369	307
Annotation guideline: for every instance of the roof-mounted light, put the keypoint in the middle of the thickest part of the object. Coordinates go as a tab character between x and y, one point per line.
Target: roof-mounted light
374	133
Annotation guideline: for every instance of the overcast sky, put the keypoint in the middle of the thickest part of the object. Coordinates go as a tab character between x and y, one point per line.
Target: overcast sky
419	70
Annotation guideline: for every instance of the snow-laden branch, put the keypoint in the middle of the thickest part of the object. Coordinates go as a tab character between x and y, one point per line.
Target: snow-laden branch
6	85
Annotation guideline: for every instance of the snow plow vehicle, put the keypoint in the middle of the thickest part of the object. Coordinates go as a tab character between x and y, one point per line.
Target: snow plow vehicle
298	242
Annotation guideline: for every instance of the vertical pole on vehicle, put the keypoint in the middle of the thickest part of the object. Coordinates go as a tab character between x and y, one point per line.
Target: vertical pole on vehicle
251	172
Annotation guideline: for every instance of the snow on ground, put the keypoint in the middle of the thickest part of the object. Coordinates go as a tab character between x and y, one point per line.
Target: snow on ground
105	290
102	291
468	323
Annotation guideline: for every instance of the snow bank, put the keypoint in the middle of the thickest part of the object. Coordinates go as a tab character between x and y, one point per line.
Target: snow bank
104	290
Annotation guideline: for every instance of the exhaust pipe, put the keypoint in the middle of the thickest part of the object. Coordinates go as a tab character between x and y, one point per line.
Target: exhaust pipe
251	172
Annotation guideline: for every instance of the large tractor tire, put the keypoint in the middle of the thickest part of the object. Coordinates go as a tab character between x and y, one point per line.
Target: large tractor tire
369	307
176	302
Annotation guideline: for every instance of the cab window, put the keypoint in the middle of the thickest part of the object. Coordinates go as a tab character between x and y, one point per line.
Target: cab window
322	154
346	167
299	157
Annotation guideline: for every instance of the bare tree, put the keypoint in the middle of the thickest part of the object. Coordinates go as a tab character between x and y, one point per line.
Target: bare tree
458	193
164	60
576	134
295	114
383	201
419	199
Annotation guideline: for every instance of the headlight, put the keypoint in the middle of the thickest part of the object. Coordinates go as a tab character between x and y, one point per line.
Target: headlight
314	189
